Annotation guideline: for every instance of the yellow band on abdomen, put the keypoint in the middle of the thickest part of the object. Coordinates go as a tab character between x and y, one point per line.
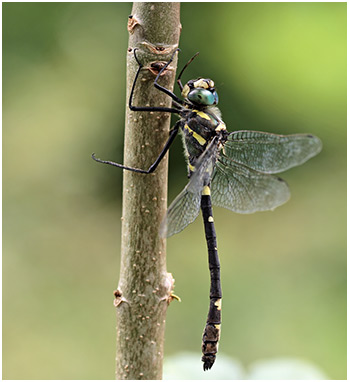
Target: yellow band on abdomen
206	190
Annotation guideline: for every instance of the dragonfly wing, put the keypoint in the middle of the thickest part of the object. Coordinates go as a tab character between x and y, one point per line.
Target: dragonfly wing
183	211
186	207
244	190
271	153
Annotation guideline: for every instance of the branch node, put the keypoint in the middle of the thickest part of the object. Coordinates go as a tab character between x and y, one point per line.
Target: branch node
118	298
156	66
160	49
132	23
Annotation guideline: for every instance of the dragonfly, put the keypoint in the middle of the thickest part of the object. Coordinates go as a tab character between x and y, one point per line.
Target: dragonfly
234	170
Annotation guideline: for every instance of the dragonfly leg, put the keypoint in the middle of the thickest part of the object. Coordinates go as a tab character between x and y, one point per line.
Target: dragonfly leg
212	329
153	167
159	87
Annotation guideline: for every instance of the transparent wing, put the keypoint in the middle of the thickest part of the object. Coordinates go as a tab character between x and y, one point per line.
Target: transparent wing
244	190
183	211
271	153
186	207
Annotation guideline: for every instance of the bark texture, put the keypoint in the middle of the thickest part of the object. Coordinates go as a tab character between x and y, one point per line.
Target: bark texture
145	287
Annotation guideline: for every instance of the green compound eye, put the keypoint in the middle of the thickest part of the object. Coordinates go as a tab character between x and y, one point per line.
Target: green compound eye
203	97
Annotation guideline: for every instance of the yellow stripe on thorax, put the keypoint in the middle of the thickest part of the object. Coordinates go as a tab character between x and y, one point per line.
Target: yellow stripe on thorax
195	135
202	114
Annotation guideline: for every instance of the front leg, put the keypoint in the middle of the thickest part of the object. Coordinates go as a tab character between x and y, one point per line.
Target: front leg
153	167
159	87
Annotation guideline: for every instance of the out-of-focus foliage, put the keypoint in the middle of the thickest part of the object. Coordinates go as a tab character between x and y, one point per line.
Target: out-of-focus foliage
278	67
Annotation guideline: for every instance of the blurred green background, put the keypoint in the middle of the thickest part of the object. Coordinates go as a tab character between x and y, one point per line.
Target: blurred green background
278	67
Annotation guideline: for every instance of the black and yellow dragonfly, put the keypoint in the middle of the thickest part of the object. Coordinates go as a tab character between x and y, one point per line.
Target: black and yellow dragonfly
228	169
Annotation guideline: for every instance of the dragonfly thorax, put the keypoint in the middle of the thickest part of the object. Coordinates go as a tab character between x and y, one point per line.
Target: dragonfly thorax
200	92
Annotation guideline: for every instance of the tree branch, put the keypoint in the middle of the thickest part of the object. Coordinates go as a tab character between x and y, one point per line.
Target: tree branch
145	287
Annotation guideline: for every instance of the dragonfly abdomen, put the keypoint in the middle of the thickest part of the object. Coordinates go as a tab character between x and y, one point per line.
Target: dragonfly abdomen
211	334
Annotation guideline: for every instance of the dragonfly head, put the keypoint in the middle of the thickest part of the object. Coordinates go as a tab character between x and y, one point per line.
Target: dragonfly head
200	92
